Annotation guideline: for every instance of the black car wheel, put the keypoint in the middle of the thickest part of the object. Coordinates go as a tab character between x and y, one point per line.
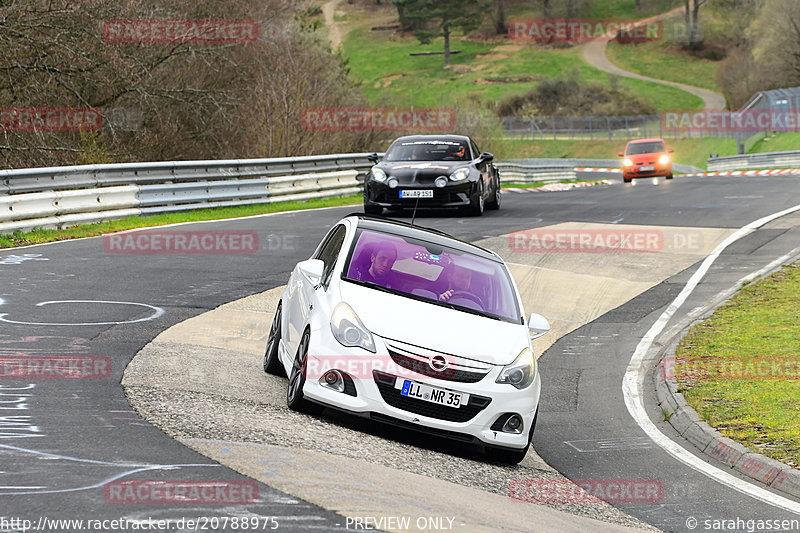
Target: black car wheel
297	379
669	177
370	208
272	365
494	201
476	205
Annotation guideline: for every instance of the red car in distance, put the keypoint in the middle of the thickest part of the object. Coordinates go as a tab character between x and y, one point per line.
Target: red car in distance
646	158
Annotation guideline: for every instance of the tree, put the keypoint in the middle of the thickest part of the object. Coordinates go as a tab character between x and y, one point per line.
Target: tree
692	17
434	18
186	100
501	27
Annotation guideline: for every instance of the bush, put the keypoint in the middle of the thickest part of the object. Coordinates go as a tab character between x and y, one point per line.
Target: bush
569	95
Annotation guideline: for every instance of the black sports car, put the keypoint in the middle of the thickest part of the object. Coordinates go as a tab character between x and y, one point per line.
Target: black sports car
433	171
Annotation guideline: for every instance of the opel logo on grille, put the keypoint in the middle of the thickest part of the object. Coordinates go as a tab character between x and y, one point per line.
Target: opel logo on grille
438	363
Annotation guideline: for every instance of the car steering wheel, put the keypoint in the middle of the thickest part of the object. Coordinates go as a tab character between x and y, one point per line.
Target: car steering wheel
468	296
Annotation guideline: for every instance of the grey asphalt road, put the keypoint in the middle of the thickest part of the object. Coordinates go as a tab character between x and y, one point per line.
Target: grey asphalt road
62	440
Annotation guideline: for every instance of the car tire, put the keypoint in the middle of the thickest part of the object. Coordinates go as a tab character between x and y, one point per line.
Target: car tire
272	364
370	208
627	180
512	456
476	206
669	177
494	203
297	379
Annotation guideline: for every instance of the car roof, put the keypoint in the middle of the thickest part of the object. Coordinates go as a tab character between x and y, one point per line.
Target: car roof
404	229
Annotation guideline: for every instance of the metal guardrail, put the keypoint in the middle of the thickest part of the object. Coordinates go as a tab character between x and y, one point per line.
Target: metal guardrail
57	197
755	161
528	172
586	163
62	178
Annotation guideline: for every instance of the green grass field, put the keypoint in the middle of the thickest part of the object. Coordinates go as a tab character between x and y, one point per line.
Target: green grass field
781	142
759	329
663	61
487	71
693	152
625	9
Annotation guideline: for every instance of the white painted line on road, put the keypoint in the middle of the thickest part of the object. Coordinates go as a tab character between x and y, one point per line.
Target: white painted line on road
633	381
157	312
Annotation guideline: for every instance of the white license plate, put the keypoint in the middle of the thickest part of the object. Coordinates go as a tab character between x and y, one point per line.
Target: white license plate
647	168
412	389
416	193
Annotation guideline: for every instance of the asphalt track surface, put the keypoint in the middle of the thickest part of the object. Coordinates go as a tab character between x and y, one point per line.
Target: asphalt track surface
68	438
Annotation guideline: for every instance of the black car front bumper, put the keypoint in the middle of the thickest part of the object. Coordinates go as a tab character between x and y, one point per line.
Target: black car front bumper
452	195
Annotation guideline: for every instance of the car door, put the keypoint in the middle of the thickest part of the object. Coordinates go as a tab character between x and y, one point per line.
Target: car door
305	292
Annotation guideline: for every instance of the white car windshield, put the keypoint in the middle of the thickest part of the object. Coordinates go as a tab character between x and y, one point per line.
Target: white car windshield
434	273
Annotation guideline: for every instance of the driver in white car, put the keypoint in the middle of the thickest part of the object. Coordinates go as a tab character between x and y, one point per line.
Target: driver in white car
458	279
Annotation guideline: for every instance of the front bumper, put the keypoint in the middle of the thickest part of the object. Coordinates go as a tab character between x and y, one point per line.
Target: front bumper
376	397
454	194
658	170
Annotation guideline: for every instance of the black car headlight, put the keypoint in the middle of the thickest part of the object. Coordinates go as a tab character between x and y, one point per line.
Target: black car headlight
378	174
460	175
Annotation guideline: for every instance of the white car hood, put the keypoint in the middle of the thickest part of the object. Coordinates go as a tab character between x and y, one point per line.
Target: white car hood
434	327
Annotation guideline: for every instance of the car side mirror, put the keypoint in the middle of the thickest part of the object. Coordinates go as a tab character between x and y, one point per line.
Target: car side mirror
621	154
671	149
373	158
312	270
538	325
487	157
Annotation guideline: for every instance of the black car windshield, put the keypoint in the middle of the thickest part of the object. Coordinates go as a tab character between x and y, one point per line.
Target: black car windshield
428	150
433	273
645	148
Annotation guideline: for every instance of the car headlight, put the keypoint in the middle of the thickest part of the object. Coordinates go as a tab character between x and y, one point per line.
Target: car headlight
378	174
460	174
348	329
521	372
627	162
664	159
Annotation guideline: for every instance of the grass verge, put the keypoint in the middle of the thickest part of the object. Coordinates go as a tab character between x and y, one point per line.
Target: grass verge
779	142
739	368
693	152
40	236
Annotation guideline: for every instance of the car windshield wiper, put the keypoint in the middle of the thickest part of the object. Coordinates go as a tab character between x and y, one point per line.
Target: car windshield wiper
465	309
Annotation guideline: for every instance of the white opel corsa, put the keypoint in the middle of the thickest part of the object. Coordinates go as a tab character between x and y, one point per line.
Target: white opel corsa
411	327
